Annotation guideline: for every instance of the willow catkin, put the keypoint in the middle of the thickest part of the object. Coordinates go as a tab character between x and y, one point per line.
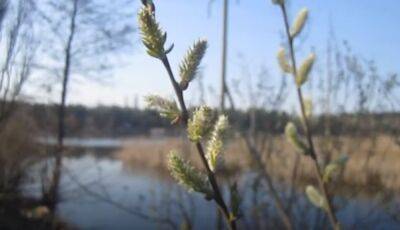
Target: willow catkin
282	60
199	124
299	22
215	144
304	70
190	64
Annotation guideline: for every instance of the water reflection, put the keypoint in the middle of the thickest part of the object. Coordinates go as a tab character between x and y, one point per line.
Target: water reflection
99	192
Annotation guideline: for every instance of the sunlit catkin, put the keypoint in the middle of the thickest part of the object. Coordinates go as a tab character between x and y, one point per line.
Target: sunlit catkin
315	197
152	36
199	124
282	60
333	167
166	108
293	137
299	22
215	144
190	64
187	176
304	70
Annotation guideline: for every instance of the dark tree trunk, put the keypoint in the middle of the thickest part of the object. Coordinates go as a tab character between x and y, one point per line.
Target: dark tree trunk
52	195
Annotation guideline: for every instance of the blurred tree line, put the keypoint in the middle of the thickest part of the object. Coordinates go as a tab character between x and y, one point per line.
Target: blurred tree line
114	121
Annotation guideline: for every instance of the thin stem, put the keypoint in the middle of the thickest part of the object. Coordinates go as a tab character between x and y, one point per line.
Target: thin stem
264	173
224	90
308	131
211	177
256	156
178	91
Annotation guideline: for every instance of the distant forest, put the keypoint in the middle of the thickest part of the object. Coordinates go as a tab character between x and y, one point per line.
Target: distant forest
113	121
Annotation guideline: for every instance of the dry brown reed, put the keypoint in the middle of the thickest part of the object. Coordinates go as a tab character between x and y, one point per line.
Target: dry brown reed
380	172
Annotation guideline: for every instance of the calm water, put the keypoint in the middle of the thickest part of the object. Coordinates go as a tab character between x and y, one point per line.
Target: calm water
101	192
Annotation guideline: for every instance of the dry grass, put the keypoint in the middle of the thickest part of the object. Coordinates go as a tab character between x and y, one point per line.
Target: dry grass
374	163
152	153
16	150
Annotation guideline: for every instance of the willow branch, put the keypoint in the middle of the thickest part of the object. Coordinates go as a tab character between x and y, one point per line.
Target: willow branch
307	127
184	118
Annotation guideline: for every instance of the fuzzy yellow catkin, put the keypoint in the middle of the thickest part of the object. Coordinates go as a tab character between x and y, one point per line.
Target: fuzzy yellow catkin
308	107
199	123
166	108
329	170
215	144
187	175
316	198
333	167
299	22
304	70
283	63
152	36
190	64
293	137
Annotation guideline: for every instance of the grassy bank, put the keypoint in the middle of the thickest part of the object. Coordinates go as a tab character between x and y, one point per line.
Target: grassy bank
373	165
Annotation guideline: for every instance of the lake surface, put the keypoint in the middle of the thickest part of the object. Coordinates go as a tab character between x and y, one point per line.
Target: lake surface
101	192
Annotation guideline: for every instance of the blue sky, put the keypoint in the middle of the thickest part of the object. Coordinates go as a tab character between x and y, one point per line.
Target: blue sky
255	32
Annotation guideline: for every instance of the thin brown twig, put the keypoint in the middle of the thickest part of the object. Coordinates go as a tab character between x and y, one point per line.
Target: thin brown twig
263	171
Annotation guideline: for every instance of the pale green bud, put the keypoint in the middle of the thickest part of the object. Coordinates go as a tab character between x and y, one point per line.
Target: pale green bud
188	176
215	144
199	125
166	108
283	63
308	107
152	36
315	197
333	167
293	137
305	69
329	170
190	64
299	22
